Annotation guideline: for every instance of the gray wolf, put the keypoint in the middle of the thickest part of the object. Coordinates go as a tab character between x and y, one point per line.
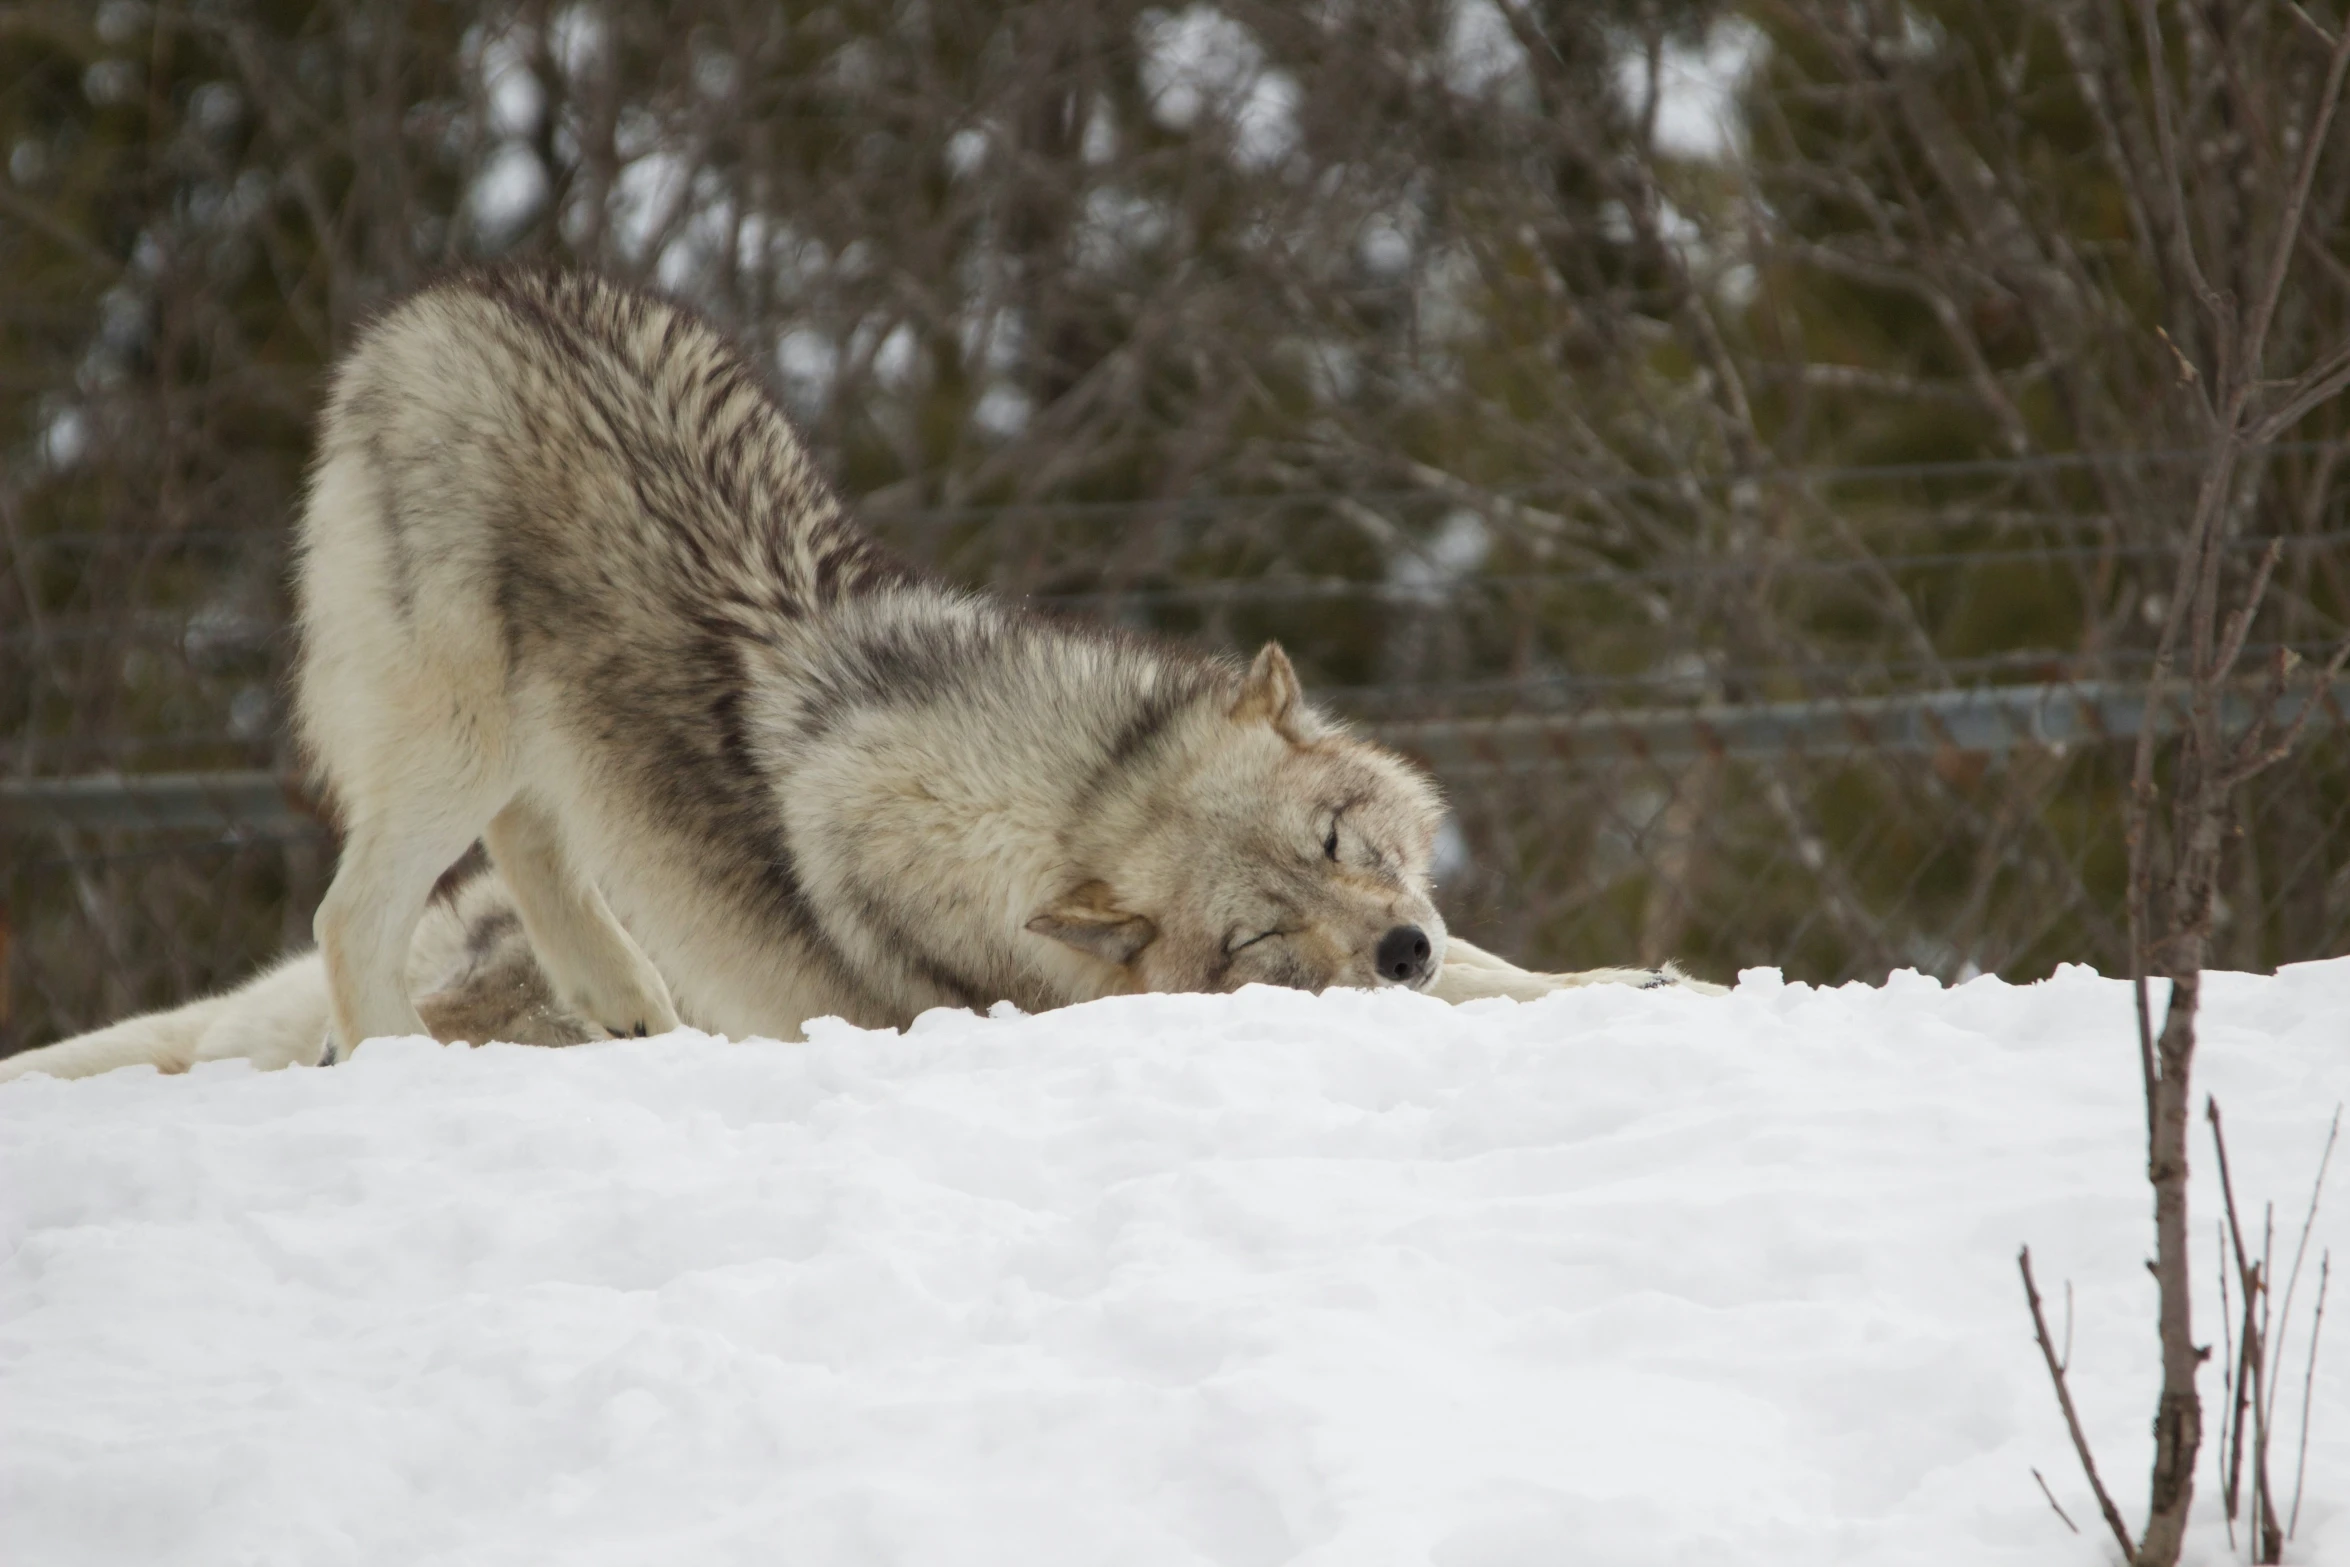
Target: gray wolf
570	589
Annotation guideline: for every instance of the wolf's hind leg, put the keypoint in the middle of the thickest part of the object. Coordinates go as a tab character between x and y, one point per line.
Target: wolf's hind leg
596	968
365	922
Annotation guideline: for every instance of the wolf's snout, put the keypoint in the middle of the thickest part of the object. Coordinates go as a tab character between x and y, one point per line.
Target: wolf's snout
1403	955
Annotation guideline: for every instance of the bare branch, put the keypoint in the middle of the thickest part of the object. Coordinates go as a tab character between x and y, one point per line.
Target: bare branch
2244	1399
2052	1502
2072	1420
2309	24
2301	1248
2229	1407
2227	1187
2289	226
2319	386
2325	1268
2231	645
2166	138
2278	747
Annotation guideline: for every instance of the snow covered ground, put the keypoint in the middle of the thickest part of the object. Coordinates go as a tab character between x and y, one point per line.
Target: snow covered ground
1621	1277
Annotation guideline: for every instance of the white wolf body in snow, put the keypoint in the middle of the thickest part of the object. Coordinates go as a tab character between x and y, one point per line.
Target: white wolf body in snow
571	590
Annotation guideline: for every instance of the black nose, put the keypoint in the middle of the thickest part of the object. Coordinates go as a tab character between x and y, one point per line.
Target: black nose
1403	954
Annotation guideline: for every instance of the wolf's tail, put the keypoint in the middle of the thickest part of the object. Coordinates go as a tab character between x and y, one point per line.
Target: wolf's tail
277	1018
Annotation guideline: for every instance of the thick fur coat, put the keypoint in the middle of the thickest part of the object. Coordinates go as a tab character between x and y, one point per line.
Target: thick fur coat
570	588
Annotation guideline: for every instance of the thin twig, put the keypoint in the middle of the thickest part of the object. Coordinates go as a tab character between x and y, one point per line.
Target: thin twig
2166	140
2268	1537
2227	1377
2325	1268
2313	388
2227	1187
2240	619
2064	1400
2301	1248
2311	24
2247	762
2250	1354
2233	1493
2247	1381
2312	148
2052	1501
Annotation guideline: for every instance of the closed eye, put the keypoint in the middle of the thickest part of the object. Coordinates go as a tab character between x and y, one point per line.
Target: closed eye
1330	839
1231	946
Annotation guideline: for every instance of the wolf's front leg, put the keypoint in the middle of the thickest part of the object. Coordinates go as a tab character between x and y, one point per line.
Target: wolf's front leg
365	922
595	967
1471	973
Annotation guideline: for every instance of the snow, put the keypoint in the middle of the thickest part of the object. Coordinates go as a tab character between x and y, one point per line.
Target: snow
1618	1277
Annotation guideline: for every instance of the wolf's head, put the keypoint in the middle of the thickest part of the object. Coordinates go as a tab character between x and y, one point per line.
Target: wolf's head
1261	845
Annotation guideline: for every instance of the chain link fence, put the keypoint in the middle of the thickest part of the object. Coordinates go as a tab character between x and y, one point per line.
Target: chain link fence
1836	821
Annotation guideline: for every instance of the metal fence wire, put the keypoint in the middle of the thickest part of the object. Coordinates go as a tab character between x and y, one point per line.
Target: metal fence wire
1851	821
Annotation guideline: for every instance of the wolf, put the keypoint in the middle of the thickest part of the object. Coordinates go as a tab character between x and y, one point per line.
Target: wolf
589	646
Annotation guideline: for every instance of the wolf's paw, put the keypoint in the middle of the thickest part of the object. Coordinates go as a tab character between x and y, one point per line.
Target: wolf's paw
642	1024
631	1008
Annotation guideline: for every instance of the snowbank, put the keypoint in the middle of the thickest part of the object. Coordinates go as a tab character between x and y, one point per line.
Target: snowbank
1620	1277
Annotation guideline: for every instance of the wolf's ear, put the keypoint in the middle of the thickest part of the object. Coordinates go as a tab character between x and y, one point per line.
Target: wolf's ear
1088	918
1271	693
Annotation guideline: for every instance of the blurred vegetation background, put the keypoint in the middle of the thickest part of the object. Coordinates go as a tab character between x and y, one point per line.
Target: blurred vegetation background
1664	416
